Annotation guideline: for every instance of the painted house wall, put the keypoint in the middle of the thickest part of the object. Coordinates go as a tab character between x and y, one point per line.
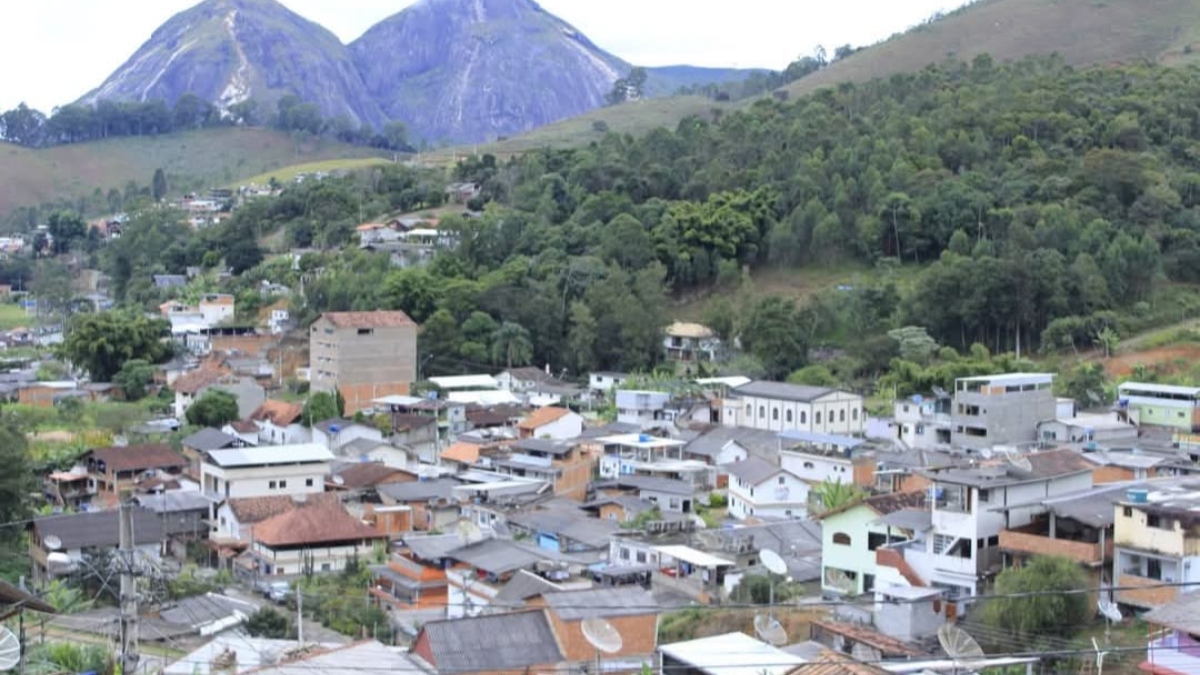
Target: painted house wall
782	495
288	479
322	558
836	413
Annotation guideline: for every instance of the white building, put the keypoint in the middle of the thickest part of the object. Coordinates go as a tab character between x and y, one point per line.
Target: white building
778	406
817	458
336	433
216	307
551	422
644	408
758	487
521	380
959	546
312	538
923	423
628	454
265	471
606	381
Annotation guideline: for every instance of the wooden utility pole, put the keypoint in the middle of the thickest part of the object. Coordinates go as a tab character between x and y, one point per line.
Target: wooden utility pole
129	604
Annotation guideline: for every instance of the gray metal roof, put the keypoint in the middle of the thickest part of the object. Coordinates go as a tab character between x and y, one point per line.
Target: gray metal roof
174	501
521	587
572	524
497	556
610	429
268	455
1182	614
752	470
918	520
351	659
782	390
201	610
432	546
606	602
711	442
543	445
652	484
209	438
492	642
100	528
419	490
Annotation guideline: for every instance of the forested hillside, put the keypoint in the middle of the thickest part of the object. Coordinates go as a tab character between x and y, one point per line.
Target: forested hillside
1033	197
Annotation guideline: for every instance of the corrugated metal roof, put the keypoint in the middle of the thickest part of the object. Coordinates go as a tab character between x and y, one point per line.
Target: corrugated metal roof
492	642
783	391
267	455
606	602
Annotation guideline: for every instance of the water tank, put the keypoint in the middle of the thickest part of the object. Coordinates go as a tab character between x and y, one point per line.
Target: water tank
1138	496
644	438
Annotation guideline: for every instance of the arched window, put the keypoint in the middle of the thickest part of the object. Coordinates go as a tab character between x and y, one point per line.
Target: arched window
816	418
841	538
854	414
762	412
789	417
749	411
808	465
841	415
803	417
774	414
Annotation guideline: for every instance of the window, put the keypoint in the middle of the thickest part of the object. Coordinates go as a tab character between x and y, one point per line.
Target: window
816	418
1153	568
803	417
308	482
749	411
789	417
841	415
854	414
674	503
774	414
282	484
781	480
366	331
1153	521
984	496
841	538
993	541
1127	512
809	465
875	540
326	567
940	542
272	485
624	554
641	556
762	412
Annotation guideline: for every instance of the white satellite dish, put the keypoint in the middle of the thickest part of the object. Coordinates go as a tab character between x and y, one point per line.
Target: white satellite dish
772	561
339	480
52	542
602	635
865	653
1110	610
58	562
839	580
770	631
959	646
986	453
1020	462
10	649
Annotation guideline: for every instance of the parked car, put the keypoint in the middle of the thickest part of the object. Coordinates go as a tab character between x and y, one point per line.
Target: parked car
279	592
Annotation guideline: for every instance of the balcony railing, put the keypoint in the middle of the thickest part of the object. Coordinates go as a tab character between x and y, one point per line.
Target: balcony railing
1040	544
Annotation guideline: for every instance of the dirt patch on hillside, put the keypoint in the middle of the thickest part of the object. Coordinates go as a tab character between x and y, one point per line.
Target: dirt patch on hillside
54	436
1167	360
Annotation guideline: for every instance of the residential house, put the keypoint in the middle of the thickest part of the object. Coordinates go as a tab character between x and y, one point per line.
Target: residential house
216	308
433	502
522	380
190	506
703	575
1174	645
317	537
119	468
277	657
618	507
415	575
169	281
208	438
819	458
490	644
280	423
191	385
563	527
1118	466
71	489
1083	428
360	479
562	464
958	549
762	488
778	406
722	445
83	536
690	343
337	432
644	408
631	610
606	381
667	494
1160	405
992	410
1157	541
923	423
852	534
364	355
734	654
551	423
47	394
265	471
626	454
245	431
483	567
235	518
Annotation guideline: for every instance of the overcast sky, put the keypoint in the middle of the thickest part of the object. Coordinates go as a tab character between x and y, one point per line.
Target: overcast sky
54	51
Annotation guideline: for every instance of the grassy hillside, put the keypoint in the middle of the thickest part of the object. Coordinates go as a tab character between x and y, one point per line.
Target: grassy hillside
1083	32
192	160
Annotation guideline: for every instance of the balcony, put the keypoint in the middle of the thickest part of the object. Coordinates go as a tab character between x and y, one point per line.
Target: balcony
1172	653
1144	592
1034	540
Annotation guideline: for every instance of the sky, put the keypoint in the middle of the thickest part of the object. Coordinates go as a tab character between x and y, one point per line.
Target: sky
54	51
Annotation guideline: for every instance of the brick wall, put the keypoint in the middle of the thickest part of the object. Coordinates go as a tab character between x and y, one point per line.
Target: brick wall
638	636
1111	474
890	558
246	345
1145	597
576	474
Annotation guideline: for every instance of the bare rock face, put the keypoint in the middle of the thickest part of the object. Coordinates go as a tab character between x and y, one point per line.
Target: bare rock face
228	51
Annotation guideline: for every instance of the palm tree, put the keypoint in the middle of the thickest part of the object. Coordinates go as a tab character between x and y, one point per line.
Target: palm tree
832	495
512	345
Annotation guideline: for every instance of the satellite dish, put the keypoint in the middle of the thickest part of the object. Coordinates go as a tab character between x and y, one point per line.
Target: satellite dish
1019	462
772	561
770	631
865	653
959	646
1110	610
52	542
986	453
10	649
339	480
840	581
601	635
468	531
59	562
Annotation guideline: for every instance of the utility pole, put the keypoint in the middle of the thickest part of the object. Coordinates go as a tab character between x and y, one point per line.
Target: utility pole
300	615
129	605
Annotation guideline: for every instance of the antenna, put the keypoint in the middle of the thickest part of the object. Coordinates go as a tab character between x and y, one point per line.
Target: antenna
10	649
865	653
52	542
959	646
1099	657
602	635
769	630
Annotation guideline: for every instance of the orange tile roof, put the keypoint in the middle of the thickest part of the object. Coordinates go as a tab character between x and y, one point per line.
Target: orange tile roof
322	522
257	509
829	662
368	319
218	299
194	381
138	457
541	417
279	413
466	453
370	474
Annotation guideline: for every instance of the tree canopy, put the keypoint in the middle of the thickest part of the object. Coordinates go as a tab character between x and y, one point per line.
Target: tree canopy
215	408
102	343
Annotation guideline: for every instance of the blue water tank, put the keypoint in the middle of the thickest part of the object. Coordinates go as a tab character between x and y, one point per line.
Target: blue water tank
644	438
1138	496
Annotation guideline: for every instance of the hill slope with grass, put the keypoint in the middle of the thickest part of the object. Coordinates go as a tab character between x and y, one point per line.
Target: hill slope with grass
1082	32
192	160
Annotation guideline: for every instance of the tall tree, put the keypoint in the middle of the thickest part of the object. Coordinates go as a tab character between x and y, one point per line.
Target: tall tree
215	408
102	343
511	345
1040	598
158	185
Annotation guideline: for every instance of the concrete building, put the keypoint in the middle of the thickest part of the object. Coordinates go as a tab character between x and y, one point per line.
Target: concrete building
762	488
994	410
1174	648
216	307
265	471
851	535
686	344
1157	541
1087	428
562	464
312	538
818	458
778	406
551	422
365	355
923	423
1160	405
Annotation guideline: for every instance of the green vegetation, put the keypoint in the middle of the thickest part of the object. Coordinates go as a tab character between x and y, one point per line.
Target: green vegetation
102	343
268	623
215	408
833	495
1050	611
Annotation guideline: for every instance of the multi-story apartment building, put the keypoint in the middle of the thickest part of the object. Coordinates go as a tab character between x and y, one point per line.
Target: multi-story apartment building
1000	409
924	423
364	355
1160	405
778	406
265	471
1157	537
562	464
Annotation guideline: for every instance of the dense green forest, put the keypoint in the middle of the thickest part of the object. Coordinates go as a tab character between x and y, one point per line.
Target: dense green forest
1041	204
